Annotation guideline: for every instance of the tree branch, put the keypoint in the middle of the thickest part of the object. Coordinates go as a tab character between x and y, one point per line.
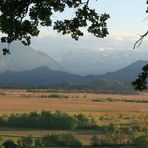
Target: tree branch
138	42
86	3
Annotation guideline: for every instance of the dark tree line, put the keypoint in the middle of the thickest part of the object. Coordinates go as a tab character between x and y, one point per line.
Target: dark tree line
49	120
69	140
64	139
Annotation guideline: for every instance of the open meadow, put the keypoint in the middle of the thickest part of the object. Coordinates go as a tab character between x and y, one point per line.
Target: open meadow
20	101
122	109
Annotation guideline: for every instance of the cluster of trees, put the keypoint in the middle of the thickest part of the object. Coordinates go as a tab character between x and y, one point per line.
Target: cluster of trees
64	139
54	96
49	120
62	121
67	139
114	135
120	137
58	140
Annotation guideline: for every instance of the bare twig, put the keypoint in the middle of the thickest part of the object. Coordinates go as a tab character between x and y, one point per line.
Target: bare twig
145	18
138	42
86	3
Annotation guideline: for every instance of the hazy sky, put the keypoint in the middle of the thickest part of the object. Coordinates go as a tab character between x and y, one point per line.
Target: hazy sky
128	20
126	15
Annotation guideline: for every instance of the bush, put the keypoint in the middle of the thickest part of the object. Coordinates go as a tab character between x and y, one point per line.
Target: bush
141	141
60	140
38	142
94	141
27	141
9	144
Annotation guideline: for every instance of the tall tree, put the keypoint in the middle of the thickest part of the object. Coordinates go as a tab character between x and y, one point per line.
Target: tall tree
21	19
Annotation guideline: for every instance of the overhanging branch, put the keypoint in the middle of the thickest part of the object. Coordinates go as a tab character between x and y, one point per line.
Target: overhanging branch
138	42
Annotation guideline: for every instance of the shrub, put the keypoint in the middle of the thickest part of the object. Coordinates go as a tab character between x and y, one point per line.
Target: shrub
60	140
141	141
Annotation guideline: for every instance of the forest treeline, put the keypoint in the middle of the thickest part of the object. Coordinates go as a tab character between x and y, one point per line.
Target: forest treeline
114	135
49	120
114	139
58	120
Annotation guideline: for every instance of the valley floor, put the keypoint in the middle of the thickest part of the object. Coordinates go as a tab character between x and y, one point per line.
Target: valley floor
121	109
20	101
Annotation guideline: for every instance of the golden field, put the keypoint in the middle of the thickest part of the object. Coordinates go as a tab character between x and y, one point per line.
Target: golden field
20	101
106	108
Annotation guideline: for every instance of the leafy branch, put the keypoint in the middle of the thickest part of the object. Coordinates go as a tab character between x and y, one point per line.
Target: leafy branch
141	82
16	26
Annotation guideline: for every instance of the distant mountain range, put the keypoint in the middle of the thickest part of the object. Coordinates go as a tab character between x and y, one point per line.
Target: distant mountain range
126	74
38	77
78	61
96	62
43	76
27	67
25	58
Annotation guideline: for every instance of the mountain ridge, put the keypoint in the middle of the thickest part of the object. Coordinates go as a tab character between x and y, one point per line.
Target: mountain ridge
43	76
128	73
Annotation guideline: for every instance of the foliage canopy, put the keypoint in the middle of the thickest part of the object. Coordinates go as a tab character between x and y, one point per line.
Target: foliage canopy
21	19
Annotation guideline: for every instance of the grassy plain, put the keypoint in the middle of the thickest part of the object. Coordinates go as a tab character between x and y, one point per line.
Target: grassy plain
122	109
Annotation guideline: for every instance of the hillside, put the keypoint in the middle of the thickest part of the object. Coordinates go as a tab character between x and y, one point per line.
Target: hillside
43	76
25	58
126	74
38	77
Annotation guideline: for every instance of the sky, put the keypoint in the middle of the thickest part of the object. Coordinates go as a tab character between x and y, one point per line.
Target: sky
127	21
126	15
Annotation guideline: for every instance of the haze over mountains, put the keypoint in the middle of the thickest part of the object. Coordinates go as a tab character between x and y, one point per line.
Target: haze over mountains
25	58
81	62
43	76
26	67
96	62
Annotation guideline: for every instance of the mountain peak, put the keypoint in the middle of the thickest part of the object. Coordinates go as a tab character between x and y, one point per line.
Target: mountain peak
128	73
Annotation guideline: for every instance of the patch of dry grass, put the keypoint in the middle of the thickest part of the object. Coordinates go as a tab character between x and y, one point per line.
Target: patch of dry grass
105	112
20	101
